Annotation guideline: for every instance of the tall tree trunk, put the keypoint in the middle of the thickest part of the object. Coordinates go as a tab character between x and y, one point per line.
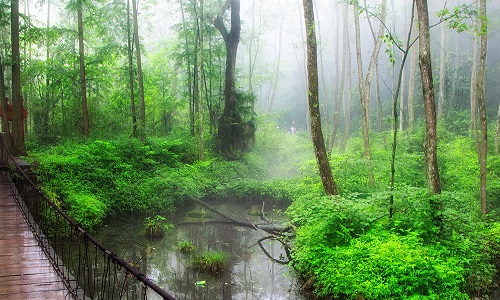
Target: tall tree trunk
411	80
189	74
313	101
346	61
402	101
45	112
497	132
442	72
3	99
277	64
473	89
397	94
83	80
365	84
481	102
321	67
338	81
130	54
18	147
142	102
430	147
228	124
201	73
252	57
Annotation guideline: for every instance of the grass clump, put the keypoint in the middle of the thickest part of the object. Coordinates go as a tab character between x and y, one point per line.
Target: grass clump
209	261
186	247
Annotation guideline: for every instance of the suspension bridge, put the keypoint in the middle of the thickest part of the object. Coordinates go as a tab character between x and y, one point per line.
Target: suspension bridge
44	254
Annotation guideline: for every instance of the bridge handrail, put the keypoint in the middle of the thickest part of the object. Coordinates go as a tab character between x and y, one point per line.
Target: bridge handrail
86	281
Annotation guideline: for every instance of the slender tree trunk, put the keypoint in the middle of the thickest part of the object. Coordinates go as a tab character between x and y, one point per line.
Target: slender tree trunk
365	84
304	70
189	74
196	74
18	147
497	132
402	101
130	54
400	84
83	80
473	89
201	138
362	86
142	102
430	147
277	64
314	112
481	102
45	112
347	62
250	50
321	67
442	72
411	81
339	82
252	57
3	99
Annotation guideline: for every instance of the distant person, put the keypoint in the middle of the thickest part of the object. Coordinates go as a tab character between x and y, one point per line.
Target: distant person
293	129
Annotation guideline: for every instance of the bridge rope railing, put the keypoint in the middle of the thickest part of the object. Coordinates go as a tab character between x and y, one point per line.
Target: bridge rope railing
88	269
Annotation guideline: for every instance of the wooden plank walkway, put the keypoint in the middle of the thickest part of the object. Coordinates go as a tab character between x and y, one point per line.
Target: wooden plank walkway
25	271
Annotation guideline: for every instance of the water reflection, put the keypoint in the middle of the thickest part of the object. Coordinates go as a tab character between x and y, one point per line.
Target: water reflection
248	274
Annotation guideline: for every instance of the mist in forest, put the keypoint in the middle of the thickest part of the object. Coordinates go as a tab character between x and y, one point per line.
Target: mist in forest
273	45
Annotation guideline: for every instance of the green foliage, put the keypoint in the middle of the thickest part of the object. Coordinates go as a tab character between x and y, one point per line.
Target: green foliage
381	265
156	227
124	174
493	182
459	18
458	165
86	209
349	247
493	245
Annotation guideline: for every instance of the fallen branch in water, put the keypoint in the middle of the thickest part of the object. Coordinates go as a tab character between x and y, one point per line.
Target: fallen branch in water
285	246
272	229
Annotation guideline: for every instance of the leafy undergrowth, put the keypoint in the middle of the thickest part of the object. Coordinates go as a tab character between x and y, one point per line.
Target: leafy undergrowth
95	179
346	246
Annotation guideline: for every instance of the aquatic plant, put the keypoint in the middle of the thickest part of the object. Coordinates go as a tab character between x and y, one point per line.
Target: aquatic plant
210	261
156	227
186	247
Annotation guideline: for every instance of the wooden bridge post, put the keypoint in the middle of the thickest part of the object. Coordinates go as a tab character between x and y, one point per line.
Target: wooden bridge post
4	146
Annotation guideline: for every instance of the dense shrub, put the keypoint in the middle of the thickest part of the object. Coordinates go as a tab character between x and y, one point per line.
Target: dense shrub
86	209
381	265
114	176
348	247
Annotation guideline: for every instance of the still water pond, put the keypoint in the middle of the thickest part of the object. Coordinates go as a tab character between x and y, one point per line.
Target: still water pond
249	274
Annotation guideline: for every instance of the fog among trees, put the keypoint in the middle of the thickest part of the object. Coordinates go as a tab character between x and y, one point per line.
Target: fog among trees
378	120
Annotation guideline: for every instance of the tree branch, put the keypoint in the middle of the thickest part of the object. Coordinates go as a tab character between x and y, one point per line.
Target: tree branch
218	21
267	228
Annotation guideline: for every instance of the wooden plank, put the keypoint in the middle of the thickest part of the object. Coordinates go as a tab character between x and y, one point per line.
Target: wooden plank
38	295
28	278
25	272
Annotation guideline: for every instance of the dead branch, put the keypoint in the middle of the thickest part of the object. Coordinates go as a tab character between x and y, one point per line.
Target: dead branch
269	228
